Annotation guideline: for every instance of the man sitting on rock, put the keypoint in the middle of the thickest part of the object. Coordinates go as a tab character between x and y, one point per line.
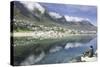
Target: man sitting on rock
89	52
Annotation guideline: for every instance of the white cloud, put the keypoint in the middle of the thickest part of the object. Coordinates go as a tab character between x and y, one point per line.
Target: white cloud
31	5
55	15
73	45
74	18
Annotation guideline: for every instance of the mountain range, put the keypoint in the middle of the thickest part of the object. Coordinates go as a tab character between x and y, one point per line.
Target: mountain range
37	14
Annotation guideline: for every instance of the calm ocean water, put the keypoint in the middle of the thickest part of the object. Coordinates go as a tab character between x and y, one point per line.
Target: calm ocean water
71	50
59	52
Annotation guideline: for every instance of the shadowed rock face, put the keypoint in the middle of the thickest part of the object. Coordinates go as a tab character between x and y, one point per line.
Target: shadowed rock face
24	11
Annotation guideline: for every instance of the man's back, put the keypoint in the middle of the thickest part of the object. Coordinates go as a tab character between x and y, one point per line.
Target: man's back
90	52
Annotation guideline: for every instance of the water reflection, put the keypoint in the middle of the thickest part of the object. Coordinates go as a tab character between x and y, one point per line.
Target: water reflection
71	50
79	44
61	51
73	45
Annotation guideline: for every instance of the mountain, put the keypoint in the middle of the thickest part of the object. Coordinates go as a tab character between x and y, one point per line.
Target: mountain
34	14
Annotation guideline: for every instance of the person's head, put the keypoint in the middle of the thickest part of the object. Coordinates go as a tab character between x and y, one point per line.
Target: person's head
91	46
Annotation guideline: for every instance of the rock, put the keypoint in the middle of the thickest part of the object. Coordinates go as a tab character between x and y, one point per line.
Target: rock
89	59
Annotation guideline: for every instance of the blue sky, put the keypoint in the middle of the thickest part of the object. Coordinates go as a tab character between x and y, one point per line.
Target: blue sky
83	11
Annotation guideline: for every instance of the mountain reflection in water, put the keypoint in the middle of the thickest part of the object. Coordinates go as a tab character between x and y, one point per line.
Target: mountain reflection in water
61	51
71	50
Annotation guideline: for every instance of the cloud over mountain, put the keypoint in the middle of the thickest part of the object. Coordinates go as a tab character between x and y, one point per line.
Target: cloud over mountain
55	15
32	5
76	19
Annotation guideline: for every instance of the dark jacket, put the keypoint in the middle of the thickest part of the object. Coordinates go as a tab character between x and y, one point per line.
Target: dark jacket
90	54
